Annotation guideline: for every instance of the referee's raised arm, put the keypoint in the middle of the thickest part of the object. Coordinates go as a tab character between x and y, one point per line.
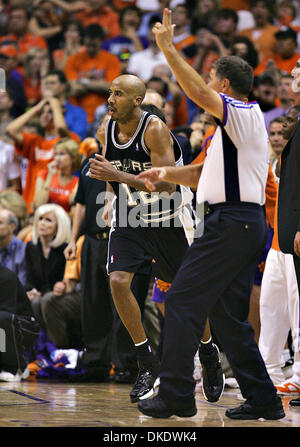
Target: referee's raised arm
188	78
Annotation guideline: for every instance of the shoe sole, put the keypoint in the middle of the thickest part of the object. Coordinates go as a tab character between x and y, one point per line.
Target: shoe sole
263	418
214	400
164	415
147	395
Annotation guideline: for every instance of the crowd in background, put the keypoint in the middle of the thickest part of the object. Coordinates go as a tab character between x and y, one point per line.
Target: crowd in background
59	58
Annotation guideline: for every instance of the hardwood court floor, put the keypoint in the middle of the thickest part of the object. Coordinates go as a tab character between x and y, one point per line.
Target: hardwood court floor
60	404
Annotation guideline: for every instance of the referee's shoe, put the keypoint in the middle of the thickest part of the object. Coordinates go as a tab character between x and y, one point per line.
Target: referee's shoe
213	379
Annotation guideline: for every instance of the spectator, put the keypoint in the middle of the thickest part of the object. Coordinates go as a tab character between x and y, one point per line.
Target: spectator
282	94
182	32
45	261
206	49
262	34
286	16
21	329
264	91
285	56
226	26
17	26
143	62
12	250
175	95
277	143
127	42
57	183
36	65
91	12
46	23
61	308
13	201
205	12
243	47
55	84
150	17
73	34
36	148
90	72
280	301
8	62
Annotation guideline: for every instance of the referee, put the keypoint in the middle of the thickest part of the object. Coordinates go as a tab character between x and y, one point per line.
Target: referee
217	273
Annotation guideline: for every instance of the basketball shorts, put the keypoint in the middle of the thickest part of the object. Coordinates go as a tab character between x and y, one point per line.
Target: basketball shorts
129	248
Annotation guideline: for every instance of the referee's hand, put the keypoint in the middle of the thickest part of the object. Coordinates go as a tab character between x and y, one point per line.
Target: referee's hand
297	244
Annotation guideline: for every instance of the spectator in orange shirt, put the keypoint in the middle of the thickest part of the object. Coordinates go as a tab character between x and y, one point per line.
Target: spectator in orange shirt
93	12
57	183
206	49
36	148
17	26
36	66
72	44
262	34
182	33
91	71
285	57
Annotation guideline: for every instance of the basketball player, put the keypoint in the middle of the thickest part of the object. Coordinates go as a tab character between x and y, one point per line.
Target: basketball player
145	226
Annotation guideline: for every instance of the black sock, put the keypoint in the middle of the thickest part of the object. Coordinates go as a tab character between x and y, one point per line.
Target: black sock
206	348
144	353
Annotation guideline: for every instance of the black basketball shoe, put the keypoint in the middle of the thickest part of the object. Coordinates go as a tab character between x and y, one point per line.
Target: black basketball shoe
145	383
213	379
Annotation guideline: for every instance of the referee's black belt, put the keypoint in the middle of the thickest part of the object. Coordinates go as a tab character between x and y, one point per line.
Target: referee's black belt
100	236
209	207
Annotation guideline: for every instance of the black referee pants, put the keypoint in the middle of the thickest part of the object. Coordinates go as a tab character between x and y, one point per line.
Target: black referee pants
215	281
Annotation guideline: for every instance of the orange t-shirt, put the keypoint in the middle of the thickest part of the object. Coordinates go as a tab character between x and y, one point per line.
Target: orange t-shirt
208	60
33	93
181	114
263	39
80	65
27	42
185	42
59	193
106	18
39	152
237	5
285	65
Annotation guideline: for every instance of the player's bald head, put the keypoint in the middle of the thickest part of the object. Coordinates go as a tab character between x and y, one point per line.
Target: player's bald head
131	84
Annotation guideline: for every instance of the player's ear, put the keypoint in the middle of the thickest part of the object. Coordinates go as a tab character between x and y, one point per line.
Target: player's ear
138	101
